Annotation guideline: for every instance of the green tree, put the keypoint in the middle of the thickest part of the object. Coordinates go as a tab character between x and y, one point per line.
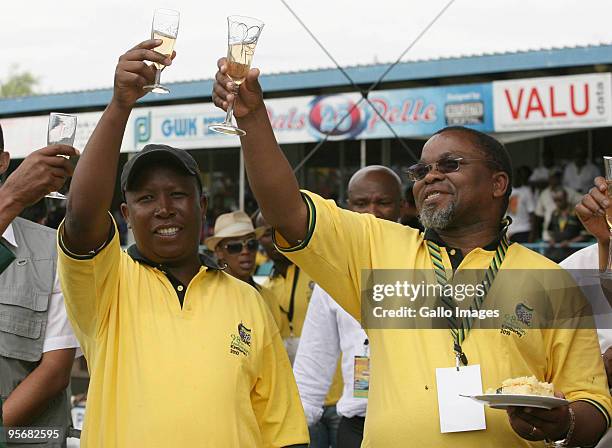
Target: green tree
18	83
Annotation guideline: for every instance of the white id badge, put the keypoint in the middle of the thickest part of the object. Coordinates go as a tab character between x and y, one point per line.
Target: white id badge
459	413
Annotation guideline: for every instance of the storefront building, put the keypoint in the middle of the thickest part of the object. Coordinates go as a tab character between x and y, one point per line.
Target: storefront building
554	100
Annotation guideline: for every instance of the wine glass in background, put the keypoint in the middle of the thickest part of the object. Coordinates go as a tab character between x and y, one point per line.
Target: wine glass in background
242	35
608	173
61	131
165	27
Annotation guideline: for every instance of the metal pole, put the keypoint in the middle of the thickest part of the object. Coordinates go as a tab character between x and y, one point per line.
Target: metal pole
241	182
386	153
363	154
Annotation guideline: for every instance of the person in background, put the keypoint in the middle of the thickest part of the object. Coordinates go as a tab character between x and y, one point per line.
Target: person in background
564	228
37	344
235	243
545	205
409	213
579	174
293	289
521	207
330	332
538	180
585	266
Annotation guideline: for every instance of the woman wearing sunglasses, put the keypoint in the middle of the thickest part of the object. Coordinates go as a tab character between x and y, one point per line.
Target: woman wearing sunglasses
235	243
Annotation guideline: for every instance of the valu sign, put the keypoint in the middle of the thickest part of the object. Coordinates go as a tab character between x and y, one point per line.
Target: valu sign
561	102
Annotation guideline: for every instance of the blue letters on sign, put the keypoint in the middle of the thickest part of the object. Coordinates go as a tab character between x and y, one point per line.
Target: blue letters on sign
142	129
179	127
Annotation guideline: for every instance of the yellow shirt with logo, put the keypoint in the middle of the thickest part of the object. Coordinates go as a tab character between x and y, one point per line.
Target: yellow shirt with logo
282	287
403	403
213	373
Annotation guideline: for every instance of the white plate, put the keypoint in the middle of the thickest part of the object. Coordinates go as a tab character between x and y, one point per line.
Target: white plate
532	401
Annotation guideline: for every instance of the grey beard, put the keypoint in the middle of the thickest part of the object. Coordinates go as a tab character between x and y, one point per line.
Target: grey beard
437	218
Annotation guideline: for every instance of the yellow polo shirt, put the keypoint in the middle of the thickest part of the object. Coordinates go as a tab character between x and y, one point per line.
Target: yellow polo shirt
282	287
272	301
403	404
213	373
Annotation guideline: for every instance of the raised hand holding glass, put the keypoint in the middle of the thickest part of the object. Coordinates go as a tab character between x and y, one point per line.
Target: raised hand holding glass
61	131
165	27
242	36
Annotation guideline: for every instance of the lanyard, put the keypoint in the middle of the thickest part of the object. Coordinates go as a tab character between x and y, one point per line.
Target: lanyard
460	332
296	275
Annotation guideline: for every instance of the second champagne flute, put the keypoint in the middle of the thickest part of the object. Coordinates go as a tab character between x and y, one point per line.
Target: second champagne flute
242	35
61	131
165	27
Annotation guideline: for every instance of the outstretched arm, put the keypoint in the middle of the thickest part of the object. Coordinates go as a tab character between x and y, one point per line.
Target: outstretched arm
40	173
87	224
270	175
592	212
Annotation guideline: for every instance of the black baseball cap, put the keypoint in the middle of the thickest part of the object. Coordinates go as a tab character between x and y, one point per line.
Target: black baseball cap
159	154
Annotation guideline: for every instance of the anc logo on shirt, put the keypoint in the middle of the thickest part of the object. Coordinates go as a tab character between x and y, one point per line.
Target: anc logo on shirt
524	313
519	322
241	343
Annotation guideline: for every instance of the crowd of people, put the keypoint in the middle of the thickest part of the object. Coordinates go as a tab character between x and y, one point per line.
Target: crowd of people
186	349
542	203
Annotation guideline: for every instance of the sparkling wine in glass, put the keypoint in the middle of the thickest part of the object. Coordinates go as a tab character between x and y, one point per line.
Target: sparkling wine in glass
165	27
242	36
61	131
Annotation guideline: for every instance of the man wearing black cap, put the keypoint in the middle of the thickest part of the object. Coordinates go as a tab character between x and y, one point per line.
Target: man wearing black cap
180	353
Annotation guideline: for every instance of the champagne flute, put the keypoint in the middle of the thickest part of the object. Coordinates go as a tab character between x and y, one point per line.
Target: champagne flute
165	27
608	173
242	35
61	131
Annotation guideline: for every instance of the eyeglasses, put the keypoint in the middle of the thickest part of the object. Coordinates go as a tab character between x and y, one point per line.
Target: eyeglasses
445	165
235	248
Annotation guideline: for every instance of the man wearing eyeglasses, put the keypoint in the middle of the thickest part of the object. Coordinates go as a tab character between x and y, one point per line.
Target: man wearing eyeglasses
462	185
235	245
180	353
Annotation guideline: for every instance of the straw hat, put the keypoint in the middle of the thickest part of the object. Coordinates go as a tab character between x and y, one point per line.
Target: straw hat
231	225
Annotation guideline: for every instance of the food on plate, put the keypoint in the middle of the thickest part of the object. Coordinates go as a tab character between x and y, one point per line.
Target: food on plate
524	385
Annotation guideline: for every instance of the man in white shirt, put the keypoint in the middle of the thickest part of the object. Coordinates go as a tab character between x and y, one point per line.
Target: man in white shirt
580	173
586	265
539	178
520	208
546	205
330	331
37	345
